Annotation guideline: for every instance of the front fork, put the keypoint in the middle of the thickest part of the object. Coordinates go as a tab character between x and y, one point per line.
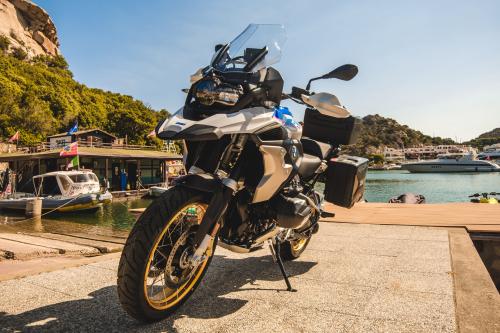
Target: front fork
233	161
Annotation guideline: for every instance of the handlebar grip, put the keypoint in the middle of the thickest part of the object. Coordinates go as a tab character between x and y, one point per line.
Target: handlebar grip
297	92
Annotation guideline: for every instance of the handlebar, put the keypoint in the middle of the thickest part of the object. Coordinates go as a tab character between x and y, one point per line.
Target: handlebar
298	92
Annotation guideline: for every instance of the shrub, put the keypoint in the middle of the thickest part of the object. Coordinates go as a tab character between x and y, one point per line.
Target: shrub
4	43
19	53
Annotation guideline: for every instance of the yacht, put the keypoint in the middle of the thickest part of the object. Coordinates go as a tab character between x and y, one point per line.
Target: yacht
457	162
490	153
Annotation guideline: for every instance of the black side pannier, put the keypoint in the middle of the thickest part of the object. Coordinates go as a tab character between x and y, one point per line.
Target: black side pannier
345	180
336	131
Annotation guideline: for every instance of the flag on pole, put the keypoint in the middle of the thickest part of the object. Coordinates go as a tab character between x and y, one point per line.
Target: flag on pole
15	137
70	150
73	129
152	134
73	163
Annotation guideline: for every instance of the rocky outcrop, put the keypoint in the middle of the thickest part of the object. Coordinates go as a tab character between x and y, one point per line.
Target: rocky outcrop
28	27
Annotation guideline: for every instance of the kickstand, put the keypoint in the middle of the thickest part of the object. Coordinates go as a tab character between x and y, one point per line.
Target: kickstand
274	246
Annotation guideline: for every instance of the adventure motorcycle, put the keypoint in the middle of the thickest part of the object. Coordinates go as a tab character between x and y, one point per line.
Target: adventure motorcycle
252	171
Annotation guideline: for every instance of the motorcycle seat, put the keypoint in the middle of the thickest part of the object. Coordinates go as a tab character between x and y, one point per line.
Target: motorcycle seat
308	165
316	148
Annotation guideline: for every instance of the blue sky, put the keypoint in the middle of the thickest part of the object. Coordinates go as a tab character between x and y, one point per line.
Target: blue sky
433	65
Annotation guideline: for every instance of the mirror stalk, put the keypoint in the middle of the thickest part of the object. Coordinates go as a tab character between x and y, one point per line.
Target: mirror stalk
311	80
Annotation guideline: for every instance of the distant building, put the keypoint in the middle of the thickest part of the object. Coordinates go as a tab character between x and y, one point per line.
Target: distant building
106	155
93	137
422	152
393	154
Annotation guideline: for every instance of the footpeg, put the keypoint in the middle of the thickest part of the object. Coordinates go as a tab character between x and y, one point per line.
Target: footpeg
327	215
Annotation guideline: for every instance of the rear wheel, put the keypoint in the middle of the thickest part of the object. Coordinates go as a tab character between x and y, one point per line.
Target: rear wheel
292	249
155	276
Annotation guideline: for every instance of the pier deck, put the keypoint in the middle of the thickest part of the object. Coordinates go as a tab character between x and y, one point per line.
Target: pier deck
476	218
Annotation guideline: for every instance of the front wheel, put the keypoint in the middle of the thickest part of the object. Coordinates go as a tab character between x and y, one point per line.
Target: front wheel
154	275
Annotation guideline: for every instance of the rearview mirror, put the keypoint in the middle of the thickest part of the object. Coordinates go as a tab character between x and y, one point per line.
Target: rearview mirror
344	72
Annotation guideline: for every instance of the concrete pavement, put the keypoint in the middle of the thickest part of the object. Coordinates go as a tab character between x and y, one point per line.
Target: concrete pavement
352	278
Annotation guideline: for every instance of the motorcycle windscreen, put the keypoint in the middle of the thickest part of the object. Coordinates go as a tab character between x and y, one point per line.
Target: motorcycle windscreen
243	49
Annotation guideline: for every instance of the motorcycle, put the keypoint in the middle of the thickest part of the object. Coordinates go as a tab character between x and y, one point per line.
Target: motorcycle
251	174
484	198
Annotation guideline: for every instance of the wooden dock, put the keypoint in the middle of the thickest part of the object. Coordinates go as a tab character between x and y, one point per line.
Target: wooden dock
476	218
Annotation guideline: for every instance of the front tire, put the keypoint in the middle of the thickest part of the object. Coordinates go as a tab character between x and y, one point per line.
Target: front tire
154	275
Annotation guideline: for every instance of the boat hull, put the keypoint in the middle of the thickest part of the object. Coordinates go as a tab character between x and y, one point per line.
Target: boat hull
444	168
63	205
84	202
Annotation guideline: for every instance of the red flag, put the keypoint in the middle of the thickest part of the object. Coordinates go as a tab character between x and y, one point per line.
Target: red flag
70	150
15	137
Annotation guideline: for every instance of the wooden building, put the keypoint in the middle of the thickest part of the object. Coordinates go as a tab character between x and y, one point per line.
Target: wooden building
123	166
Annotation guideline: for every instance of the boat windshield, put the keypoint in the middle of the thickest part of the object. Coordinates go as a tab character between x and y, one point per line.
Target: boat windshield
257	47
47	186
83	177
450	156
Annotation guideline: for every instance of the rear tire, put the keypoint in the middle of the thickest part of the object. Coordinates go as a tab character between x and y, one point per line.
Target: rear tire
149	255
291	250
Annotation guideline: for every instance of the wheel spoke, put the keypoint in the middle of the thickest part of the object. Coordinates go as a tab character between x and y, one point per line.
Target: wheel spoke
168	276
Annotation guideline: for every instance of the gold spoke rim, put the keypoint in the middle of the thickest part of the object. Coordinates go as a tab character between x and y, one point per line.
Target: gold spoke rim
298	244
159	295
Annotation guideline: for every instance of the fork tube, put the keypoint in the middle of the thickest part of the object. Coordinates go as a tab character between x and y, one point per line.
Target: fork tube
221	198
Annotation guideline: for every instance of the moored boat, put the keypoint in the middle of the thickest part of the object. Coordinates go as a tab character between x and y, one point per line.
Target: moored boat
61	191
490	153
459	162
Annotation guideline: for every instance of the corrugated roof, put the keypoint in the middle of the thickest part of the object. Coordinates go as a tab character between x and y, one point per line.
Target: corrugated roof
93	152
82	132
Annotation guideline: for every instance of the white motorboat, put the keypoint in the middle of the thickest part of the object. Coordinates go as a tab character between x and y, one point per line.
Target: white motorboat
61	191
459	162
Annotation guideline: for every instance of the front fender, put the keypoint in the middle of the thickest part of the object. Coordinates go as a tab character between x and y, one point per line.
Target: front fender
202	182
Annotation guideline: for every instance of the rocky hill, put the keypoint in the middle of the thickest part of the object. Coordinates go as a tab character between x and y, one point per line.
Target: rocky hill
379	132
495	133
38	95
486	139
27	27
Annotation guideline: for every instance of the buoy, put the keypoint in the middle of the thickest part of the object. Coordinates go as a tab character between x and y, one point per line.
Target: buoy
33	207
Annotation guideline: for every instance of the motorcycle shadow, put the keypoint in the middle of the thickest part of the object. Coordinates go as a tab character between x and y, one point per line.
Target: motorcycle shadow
216	297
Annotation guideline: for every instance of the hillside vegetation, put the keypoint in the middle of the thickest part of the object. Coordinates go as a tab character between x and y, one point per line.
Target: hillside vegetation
39	97
486	139
379	132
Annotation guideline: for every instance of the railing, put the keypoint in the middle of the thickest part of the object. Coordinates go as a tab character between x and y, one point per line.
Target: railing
46	146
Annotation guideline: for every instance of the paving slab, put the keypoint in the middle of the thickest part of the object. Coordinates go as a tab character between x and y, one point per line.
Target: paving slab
102	246
22	251
62	247
98	237
361	286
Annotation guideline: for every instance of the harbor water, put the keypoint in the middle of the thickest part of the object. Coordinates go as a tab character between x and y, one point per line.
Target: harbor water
380	187
436	187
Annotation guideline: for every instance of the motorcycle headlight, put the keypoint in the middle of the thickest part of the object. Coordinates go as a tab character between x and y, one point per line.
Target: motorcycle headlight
205	92
210	91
